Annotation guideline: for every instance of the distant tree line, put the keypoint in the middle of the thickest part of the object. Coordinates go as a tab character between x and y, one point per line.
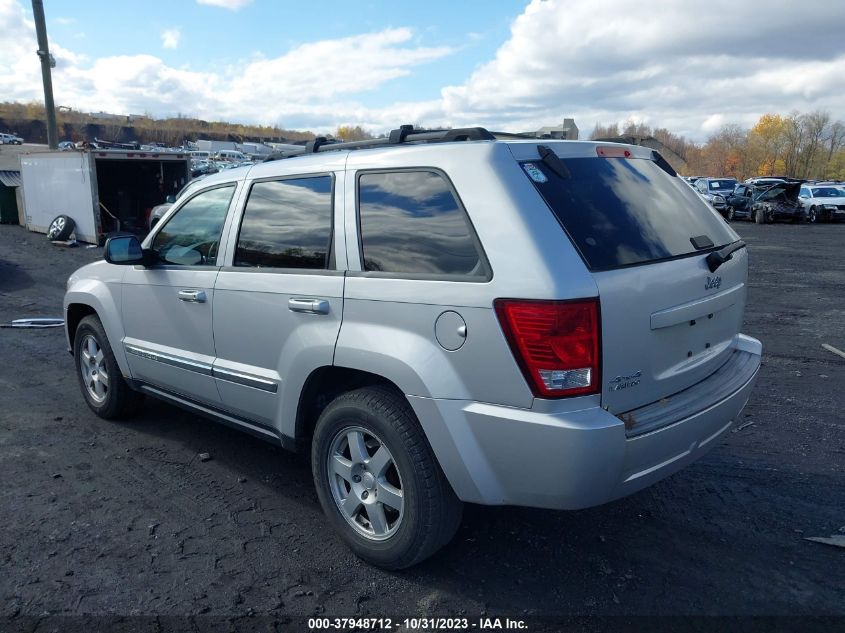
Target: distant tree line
73	125
808	145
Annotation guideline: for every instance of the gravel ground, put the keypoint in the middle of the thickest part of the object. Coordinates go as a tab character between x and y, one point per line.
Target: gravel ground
123	518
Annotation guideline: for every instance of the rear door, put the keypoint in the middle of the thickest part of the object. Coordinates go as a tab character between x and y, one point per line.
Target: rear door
279	300
667	321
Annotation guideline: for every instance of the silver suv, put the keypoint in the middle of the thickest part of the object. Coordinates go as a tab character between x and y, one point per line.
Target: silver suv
438	317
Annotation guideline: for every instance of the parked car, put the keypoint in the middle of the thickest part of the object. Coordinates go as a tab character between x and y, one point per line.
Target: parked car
739	202
10	139
230	156
716	191
429	319
822	203
779	202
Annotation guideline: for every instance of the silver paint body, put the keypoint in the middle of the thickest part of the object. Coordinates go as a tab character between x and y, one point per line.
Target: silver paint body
247	351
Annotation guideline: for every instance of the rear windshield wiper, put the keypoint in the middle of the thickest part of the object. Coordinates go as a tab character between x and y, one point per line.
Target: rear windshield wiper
717	258
553	161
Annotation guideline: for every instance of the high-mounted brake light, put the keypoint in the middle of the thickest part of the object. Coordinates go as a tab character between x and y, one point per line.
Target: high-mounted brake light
556	343
613	152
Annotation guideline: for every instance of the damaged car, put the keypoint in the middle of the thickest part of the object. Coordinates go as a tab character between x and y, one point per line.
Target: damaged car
779	202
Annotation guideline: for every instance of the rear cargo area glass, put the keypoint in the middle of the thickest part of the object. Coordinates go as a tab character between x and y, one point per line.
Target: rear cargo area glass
621	212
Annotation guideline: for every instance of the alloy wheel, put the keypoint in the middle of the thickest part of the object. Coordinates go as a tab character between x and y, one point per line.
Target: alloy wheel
56	227
365	483
92	364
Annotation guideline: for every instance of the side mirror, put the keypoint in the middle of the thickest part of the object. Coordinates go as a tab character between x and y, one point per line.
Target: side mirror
124	250
171	199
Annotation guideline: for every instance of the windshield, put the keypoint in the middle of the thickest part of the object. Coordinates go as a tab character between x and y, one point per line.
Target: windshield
621	212
722	185
826	192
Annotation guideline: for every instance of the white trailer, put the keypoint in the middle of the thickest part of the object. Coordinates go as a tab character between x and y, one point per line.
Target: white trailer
101	190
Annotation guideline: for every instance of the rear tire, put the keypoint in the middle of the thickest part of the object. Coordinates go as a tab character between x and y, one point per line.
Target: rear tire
60	228
731	214
812	216
103	387
370	455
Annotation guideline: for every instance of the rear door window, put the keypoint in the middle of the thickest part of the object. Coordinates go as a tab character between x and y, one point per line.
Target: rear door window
287	224
412	223
622	212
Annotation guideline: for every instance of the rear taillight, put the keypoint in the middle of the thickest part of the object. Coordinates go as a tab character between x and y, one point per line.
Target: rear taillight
556	343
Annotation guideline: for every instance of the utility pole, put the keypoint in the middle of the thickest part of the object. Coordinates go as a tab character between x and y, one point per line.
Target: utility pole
47	62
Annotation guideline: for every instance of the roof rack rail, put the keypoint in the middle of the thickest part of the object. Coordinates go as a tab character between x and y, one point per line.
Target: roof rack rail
403	134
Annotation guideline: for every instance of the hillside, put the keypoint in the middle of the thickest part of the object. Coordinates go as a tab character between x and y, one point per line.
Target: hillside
28	121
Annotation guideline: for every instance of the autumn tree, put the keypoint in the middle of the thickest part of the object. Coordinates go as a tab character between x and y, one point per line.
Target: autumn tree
767	142
352	133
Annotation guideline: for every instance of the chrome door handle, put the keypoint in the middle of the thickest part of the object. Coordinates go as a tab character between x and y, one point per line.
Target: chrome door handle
194	296
314	306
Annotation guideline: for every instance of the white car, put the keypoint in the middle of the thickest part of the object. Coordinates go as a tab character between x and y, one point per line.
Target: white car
10	139
824	203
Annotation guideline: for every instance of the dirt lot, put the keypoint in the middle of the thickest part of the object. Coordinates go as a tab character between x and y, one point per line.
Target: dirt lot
123	518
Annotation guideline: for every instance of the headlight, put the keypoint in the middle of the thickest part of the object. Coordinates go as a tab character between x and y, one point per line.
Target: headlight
718	198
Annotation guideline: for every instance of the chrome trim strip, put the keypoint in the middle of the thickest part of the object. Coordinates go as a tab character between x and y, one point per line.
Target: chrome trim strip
167	359
247	380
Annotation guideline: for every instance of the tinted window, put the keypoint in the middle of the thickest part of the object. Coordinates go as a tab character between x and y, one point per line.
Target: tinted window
627	211
191	237
287	224
412	223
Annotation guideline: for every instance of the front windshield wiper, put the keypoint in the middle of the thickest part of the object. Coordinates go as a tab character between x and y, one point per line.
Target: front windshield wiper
717	258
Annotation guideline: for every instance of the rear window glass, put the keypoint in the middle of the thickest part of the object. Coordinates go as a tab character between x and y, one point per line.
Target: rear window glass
621	212
411	223
721	185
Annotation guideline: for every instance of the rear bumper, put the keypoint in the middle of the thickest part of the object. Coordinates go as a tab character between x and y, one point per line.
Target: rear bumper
572	459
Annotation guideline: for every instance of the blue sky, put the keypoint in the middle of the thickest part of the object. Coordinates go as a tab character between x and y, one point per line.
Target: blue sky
503	64
211	36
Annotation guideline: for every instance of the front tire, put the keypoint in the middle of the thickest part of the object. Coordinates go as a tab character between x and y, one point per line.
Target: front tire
760	216
378	480
731	214
103	387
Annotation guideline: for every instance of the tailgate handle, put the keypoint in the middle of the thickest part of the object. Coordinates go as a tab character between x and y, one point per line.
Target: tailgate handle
313	306
696	309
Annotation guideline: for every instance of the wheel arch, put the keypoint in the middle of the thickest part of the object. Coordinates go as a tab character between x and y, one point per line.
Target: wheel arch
99	302
322	386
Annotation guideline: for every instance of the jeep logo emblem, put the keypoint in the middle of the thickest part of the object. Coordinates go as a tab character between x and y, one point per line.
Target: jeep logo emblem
713	282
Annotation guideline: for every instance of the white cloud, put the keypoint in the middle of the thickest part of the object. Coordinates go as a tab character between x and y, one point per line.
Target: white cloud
170	38
674	67
232	5
678	67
